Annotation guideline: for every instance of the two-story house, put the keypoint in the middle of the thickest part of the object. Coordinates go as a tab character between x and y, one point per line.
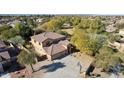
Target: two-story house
50	44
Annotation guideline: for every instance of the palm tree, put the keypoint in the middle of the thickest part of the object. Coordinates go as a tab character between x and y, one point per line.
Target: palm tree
27	58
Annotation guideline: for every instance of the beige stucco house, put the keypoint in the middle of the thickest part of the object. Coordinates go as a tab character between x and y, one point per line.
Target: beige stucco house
50	44
119	45
121	32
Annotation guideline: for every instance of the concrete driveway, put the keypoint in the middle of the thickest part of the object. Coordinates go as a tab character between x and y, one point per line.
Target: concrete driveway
62	68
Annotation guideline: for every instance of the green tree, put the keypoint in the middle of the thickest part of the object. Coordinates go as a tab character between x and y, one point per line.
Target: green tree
4	27
26	33
26	58
24	30
92	25
7	34
84	24
119	25
19	26
53	25
95	24
31	23
113	37
89	44
106	60
120	55
75	20
17	40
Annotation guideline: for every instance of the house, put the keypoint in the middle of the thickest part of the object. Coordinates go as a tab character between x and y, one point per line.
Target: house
4	60
4	56
121	21
121	32
118	45
111	28
39	20
50	44
7	55
66	26
13	23
2	45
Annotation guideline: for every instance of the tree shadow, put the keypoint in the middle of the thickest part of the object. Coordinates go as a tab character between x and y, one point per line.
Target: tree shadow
13	51
15	67
52	67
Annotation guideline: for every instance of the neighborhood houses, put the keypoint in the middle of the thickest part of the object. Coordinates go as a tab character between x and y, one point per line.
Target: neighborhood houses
8	56
55	46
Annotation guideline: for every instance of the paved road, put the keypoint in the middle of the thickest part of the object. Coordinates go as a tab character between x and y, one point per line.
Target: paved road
66	68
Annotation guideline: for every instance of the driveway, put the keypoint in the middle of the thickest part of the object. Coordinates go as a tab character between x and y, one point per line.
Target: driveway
62	68
5	75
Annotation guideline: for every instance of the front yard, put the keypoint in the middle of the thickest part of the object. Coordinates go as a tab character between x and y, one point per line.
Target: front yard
61	68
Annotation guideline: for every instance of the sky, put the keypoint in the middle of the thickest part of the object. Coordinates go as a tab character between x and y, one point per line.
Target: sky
61	7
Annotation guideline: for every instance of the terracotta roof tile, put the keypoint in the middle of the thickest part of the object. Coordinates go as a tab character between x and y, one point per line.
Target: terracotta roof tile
47	35
2	44
5	55
54	49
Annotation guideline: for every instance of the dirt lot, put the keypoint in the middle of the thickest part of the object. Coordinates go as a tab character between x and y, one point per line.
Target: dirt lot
83	57
69	31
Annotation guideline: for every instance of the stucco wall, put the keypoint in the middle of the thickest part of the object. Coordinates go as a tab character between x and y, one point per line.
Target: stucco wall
36	44
58	55
38	47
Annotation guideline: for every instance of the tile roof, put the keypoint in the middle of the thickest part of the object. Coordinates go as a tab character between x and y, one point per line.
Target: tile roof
5	55
64	42
2	44
54	49
47	35
111	28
